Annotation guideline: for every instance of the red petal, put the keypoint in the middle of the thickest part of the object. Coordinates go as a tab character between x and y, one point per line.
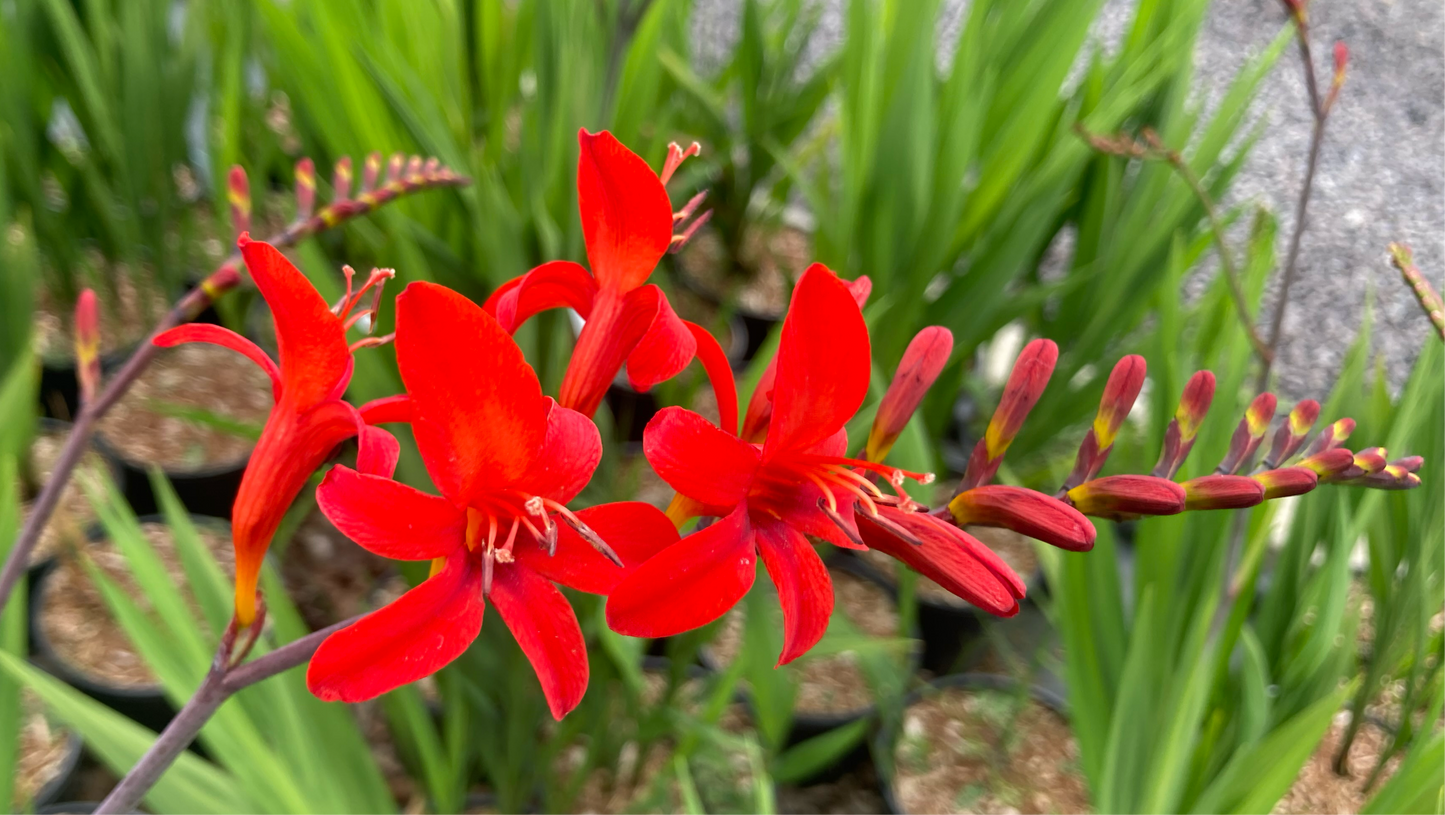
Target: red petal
226	338
626	215
760	405
1222	492
617	325
823	363
719	373
922	363
413	637
311	341
479	413
949	557
860	287
689	584
387	409
662	353
636	531
558	284
568	457
1123	495
377	452
1026	383
803	584
389	518
544	625
699	459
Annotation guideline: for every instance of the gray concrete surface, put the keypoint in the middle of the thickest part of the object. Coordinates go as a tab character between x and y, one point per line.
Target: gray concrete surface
1382	168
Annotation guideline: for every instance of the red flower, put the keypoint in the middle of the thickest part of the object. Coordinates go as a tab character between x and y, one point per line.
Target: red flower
627	223
309	418
947	555
771	496
506	459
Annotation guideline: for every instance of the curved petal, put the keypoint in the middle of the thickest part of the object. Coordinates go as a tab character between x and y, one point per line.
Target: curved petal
617	324
635	530
689	584
557	284
387	409
310	340
804	587
1027	512
662	353
389	518
568	457
413	637
626	215
226	338
798	504
478	412
760	405
948	556
377	451
719	374
699	459
544	625
823	363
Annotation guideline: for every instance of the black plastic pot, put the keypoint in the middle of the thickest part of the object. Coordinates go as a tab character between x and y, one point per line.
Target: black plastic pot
953	635
809	725
887	736
63	784
631	411
146	705
207	490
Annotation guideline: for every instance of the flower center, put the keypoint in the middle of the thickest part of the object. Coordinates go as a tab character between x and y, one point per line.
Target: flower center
353	310
513	511
836	478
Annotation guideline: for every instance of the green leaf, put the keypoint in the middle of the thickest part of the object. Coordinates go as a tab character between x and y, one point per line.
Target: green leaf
807	758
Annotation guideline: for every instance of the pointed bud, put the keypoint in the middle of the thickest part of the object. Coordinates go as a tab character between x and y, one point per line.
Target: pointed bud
341	179
1390	478
921	365
1330	462
1031	372
1249	434
1291	435
238	193
305	188
860	287
1371	459
1331	437
1026	512
1222	492
1409	464
1179	438
1342	61
1120	391
1125	496
394	167
1287	481
87	345
413	169
371	172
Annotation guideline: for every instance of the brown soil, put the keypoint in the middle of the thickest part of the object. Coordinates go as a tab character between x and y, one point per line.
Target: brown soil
1319	789
122	323
832	684
42	751
775	259
984	751
73	515
328	576
1015	549
189	378
76	620
855	792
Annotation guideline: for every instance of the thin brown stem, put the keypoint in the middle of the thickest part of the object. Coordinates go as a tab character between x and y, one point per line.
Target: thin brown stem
225	278
222	680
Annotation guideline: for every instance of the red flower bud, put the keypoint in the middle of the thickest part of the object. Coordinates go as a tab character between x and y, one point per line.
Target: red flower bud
1026	512
1287	481
1409	464
238	193
1291	435
305	188
1330	462
1331	437
1249	434
1222	492
1371	459
1179	438
1120	391
1342	60
1390	478
341	179
1031	372
87	345
371	172
1123	496
921	365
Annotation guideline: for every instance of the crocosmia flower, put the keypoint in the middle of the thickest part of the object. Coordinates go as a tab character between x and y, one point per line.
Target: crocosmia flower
771	496
309	418
627	223
506	460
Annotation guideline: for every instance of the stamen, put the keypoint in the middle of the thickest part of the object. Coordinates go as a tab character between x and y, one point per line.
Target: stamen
675	156
587	533
689	208
341	306
511	538
827	493
897	529
437	564
491	532
487	566
548	538
890	473
369	342
679	241
858	477
837	519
